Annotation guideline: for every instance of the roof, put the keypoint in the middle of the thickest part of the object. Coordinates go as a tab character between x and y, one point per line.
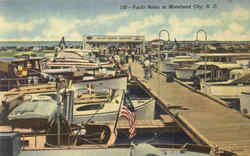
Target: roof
223	54
220	65
186	60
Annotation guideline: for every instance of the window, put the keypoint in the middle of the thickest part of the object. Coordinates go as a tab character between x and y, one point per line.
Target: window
151	154
90	107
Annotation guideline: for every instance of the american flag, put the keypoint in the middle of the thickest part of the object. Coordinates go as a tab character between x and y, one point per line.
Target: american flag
128	112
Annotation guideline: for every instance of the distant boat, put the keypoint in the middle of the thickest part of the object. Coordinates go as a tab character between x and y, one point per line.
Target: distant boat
68	58
174	60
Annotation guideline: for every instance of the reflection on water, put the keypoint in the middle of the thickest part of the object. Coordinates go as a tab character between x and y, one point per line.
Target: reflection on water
155	138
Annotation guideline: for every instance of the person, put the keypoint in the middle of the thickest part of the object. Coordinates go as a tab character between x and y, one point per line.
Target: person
133	56
150	69
146	68
126	55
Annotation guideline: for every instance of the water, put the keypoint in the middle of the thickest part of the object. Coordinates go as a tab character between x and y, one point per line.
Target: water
37	43
79	43
6	58
155	138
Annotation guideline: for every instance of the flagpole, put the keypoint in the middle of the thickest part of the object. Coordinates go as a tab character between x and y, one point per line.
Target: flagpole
117	117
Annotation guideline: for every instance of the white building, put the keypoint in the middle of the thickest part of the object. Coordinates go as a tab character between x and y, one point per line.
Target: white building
122	41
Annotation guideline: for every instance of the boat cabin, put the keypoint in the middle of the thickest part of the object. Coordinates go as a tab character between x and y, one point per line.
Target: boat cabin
215	71
17	71
222	57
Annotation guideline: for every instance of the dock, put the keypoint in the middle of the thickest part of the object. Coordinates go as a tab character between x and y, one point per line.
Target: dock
162	125
206	120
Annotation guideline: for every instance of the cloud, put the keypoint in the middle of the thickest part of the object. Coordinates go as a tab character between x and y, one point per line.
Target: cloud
56	28
7	26
233	32
139	26
181	27
236	28
228	35
238	13
235	25
103	19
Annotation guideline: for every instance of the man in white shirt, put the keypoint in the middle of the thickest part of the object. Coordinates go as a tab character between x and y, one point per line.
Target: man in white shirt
146	68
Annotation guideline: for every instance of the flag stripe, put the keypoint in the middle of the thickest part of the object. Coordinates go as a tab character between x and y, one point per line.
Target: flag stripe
131	117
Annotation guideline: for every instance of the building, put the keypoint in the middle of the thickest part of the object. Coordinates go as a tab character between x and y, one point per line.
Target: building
121	41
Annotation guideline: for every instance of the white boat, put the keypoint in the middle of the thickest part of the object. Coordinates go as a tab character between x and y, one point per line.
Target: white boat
107	110
68	58
108	81
174	60
231	89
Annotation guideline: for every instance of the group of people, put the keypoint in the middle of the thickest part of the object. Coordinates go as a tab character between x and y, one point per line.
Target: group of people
123	58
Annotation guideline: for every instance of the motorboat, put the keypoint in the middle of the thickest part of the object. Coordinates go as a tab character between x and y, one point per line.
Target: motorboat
68	58
36	112
141	149
104	106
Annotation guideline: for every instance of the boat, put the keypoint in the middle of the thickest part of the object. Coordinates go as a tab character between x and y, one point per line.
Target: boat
174	60
40	116
207	71
141	149
104	106
237	82
78	58
21	71
32	113
67	58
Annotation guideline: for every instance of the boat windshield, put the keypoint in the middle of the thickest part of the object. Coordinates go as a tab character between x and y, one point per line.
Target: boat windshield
90	107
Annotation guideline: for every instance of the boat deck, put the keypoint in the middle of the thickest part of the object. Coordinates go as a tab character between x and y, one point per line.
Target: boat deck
205	120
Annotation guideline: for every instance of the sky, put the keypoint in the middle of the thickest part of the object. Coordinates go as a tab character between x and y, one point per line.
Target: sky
49	20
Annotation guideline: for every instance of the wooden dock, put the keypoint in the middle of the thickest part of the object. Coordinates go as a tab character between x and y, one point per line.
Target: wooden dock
204	119
149	126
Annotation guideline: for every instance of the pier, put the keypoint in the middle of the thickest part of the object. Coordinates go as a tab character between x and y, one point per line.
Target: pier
205	120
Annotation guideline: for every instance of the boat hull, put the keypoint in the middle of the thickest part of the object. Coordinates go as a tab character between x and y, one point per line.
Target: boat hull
143	112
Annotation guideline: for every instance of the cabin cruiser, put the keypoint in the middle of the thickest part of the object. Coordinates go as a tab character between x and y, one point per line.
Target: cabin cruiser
68	58
211	71
105	104
173	60
237	83
21	71
40	115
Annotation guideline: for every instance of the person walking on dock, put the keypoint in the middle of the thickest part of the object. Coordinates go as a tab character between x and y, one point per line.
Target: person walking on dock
133	56
126	55
146	69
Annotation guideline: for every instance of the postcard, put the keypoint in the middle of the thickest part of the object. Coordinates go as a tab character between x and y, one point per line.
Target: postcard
137	77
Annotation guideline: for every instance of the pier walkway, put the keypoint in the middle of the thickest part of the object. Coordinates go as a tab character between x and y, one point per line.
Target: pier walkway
205	120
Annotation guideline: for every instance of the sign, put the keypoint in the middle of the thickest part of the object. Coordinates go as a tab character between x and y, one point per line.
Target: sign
115	38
